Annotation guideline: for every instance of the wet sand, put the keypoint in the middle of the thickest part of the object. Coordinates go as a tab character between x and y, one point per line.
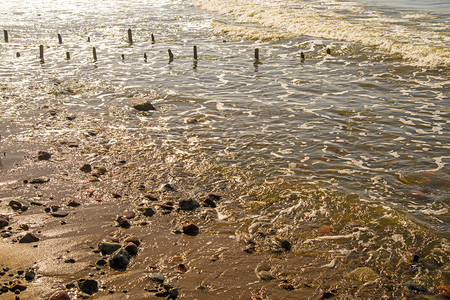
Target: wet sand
225	260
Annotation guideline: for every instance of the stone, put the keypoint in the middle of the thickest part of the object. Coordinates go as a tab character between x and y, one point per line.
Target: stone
134	240
42	155
214	197
209	203
182	268
39	181
151	197
157	277
142	105
28	238
168	188
119	260
24	227
286	286
362	274
73	203
326	230
147	211
59	295
30	275
101	262
17	286
264	275
88	286
60	214
108	248
86	168
123	222
21	204
188	204
190	228
129	214
4	221
132	249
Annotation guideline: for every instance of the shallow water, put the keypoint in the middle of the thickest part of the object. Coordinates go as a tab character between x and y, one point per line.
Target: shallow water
358	137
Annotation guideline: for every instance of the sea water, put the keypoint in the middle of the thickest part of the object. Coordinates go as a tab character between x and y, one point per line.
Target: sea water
355	136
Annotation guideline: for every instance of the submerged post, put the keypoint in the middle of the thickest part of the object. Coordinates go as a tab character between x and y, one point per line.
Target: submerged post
59	39
153	39
41	53
17	54
94	53
89	39
130	36
195	53
145	57
328	51
302	57
256	54
170	56
67	56
123	57
5	34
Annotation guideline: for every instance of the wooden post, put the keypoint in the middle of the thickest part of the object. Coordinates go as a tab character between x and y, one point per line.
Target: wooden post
59	39
130	37
302	57
41	53
123	57
94	53
5	33
256	54
67	55
153	39
195	53
17	54
145	57
328	51
89	39
170	56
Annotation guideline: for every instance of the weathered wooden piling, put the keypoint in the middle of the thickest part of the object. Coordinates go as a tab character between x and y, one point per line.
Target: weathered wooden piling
130	36
257	54
67	56
302	56
329	51
59	39
170	56
195	53
145	57
153	39
89	39
94	53
123	57
17	54
5	34
41	53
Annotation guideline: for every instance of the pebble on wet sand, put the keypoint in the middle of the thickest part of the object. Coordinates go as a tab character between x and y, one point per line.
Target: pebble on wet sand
42	155
86	168
147	211
190	228
28	238
59	295
132	249
88	286
142	105
123	222
119	260
4	221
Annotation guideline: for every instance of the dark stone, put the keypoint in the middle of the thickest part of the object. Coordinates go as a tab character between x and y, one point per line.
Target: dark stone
88	286
24	227
4	221
214	197
120	260
54	208
190	228
143	105
70	261
132	249
17	285
134	240
70	285
188	204
157	277
73	203
60	214
59	295
30	275
42	155
129	214
168	188
123	222
86	168
108	248
209	203
147	211
38	181
151	197
28	238
21	204
101	262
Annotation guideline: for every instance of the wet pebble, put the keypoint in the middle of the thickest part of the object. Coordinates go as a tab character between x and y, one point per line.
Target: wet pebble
157	277
86	168
119	260
59	295
30	274
28	238
123	222
147	211
60	214
129	214
189	228
17	286
21	204
88	286
133	239
142	105
4	221
132	249
24	227
43	155
168	188
108	248
151	197
73	203
188	204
